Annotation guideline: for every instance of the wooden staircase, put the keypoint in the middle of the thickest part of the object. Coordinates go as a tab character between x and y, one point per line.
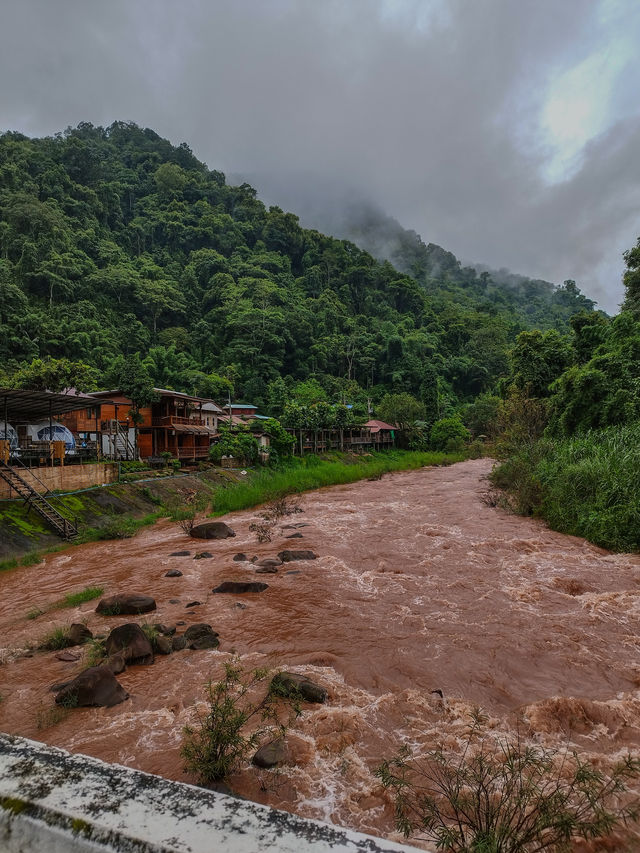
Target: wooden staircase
62	526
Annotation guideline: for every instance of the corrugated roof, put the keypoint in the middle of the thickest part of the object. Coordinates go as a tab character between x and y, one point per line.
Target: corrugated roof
376	426
24	406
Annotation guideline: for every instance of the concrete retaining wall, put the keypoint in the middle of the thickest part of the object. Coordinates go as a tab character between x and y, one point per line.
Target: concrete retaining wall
64	478
56	802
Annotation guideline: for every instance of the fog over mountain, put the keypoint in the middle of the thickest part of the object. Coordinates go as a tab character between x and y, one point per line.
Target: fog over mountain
506	132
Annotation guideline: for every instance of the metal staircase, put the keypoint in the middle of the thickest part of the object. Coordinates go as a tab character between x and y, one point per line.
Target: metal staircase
120	446
33	499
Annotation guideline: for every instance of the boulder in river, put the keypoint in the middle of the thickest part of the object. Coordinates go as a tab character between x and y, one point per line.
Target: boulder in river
294	536
297	687
212	530
201	636
78	634
178	643
130	641
95	686
240	558
203	555
239	587
294	526
173	573
268	562
291	556
180	554
267	570
270	754
126	604
164	645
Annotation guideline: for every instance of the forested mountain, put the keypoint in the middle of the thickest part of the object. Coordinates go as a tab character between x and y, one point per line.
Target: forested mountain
534	302
114	242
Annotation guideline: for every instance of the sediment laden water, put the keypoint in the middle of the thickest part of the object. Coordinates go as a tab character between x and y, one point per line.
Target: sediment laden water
420	586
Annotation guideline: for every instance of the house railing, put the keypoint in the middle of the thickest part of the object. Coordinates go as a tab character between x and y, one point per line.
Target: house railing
193	452
171	420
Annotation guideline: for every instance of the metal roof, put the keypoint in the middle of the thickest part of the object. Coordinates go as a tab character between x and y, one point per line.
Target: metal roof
24	406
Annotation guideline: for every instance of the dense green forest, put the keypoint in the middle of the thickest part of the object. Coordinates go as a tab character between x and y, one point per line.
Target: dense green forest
115	242
569	423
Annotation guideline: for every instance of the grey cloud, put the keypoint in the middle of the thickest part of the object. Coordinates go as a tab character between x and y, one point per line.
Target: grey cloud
321	102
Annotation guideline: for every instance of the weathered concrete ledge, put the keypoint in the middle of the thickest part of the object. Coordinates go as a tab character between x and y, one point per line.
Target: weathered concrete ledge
62	803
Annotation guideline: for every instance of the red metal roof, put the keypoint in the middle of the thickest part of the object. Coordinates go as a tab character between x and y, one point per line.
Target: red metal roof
376	426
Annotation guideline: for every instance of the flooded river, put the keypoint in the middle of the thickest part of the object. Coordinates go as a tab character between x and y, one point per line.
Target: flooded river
419	586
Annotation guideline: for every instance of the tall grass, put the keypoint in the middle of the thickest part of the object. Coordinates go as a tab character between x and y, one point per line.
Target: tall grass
588	485
313	473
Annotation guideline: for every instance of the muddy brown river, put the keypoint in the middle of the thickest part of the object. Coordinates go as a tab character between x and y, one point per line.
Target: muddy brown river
419	586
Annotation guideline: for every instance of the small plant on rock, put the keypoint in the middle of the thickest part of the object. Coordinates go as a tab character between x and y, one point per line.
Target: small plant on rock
234	723
506	797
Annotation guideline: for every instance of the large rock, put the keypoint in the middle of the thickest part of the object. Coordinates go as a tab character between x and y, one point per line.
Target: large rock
297	687
240	587
95	686
131	642
270	754
291	556
212	530
201	636
173	573
126	604
164	645
78	634
269	562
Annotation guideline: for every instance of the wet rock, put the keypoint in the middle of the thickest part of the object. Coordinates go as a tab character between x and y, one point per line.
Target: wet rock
267	562
294	572
164	645
212	530
126	604
59	685
95	686
78	634
203	555
294	536
201	636
298	686
239	587
193	604
178	643
291	556
270	754
173	573
116	663
240	558
295	526
68	656
180	554
167	630
174	601
131	642
267	570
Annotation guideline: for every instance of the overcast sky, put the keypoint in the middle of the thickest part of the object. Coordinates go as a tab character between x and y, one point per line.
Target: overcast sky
507	131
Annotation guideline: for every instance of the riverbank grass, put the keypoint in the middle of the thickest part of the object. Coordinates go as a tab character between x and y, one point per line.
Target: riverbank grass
312	472
588	485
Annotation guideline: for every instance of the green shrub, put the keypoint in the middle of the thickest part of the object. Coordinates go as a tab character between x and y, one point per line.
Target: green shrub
506	797
237	441
449	434
219	740
58	638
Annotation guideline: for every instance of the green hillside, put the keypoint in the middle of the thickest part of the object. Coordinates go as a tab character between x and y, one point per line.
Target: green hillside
113	241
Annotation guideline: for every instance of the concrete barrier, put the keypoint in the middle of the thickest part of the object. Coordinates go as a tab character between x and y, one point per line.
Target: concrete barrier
53	801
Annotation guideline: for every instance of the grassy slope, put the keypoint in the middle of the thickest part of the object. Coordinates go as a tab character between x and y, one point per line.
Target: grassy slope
587	485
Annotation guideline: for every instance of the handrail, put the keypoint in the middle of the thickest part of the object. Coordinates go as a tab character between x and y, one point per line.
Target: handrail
17	459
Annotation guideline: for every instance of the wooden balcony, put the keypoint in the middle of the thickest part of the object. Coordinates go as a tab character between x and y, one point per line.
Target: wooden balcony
193	453
172	420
